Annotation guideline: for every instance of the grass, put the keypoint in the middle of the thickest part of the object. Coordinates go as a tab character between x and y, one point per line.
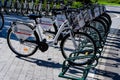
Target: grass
110	2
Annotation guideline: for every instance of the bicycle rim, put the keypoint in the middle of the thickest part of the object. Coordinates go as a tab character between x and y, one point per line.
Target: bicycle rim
94	33
100	27
84	51
23	48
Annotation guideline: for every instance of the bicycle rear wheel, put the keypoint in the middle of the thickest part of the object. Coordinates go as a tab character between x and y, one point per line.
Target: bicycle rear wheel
94	33
85	46
100	26
21	47
108	17
1	21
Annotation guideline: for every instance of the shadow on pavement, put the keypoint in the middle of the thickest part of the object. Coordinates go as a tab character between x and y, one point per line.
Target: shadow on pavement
112	62
39	62
114	41
118	12
112	75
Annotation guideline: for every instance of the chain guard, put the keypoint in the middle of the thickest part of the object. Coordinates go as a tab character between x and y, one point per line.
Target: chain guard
43	46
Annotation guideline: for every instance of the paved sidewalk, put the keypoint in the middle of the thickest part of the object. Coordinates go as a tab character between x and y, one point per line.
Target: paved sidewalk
40	66
109	63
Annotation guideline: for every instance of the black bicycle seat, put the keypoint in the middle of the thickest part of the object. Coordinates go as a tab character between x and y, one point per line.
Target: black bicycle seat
33	16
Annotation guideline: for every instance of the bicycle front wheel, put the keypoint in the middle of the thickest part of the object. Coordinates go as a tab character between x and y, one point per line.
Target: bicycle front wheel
80	46
1	21
21	47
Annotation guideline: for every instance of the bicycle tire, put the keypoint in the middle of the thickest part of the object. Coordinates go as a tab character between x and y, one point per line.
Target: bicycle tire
66	56
105	20
103	26
11	37
103	16
108	17
95	34
1	21
103	23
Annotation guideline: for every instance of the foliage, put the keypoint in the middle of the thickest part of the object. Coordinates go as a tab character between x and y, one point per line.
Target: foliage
77	3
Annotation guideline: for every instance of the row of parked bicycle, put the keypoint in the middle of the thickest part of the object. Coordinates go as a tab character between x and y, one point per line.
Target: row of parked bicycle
89	48
82	33
25	7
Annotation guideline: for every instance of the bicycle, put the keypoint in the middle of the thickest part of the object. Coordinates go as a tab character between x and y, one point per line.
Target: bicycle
101	24
30	38
25	7
96	29
97	20
1	6
1	21
7	6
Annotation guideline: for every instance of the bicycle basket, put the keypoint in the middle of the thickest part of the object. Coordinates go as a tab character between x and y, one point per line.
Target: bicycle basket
101	9
104	9
46	23
90	14
86	15
96	12
81	20
23	30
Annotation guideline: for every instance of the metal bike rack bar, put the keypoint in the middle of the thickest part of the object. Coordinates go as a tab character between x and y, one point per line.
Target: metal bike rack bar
66	67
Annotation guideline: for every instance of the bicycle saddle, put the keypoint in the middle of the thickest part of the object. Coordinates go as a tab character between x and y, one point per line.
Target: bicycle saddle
33	16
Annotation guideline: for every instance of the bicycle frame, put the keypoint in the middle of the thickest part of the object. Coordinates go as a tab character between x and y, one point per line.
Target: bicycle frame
54	41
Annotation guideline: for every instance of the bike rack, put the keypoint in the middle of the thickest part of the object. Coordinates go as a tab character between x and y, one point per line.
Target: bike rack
66	66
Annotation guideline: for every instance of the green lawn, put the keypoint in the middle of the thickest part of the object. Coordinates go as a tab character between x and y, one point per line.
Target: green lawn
110	2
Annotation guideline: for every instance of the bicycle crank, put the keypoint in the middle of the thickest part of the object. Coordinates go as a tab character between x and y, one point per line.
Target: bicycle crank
43	46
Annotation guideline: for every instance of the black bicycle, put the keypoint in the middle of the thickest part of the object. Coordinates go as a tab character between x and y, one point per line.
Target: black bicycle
1	21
